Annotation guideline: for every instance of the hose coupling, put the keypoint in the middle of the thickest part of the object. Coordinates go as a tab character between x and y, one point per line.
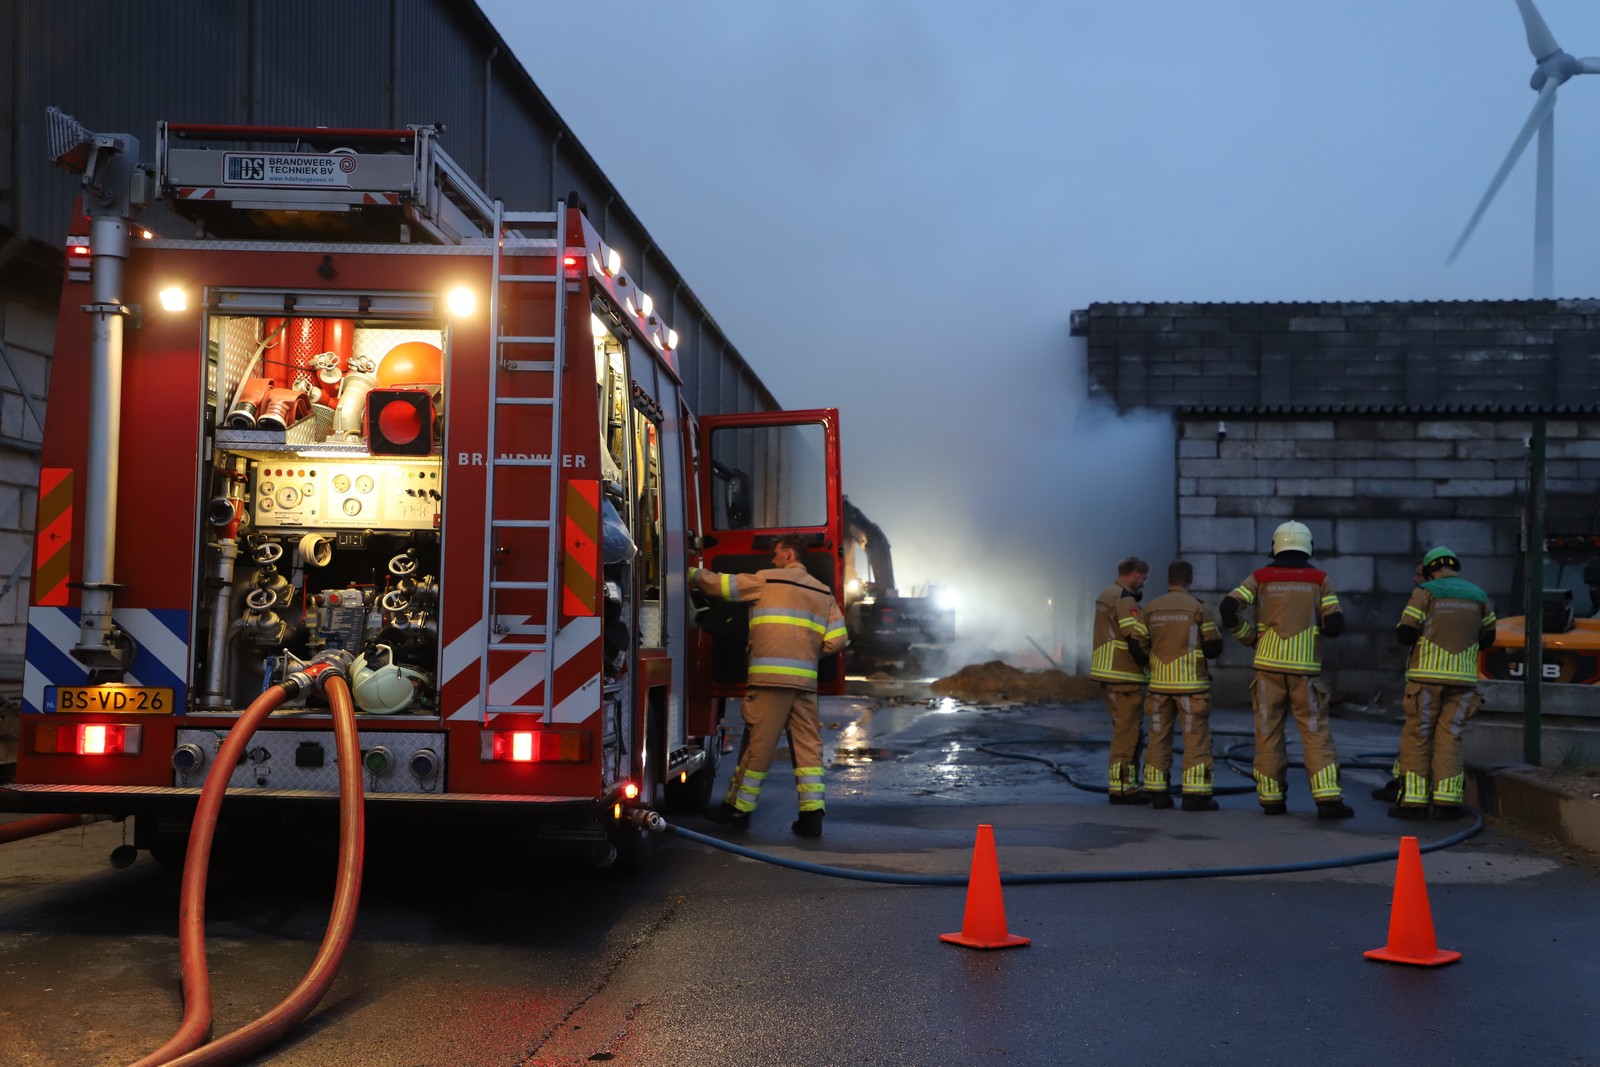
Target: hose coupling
649	820
329	663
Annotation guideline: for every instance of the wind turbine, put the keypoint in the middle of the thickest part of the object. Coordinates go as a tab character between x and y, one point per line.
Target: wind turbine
1552	69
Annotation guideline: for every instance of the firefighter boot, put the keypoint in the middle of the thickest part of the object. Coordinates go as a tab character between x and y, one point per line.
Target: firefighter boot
1199	802
1130	798
809	824
1160	801
1389	792
726	814
1275	807
1449	812
1404	811
1334	809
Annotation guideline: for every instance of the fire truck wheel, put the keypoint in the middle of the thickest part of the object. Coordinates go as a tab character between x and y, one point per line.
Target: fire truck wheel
634	848
168	849
691	797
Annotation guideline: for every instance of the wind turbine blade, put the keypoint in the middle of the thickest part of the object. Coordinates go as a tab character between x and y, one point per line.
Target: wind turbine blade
1589	65
1541	108
1541	42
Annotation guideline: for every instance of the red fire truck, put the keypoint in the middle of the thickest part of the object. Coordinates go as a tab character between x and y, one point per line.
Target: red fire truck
360	413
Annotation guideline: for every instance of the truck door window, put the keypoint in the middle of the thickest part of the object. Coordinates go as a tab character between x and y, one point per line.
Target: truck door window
769	477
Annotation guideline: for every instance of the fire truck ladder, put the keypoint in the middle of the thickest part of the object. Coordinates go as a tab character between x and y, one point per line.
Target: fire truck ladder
531	356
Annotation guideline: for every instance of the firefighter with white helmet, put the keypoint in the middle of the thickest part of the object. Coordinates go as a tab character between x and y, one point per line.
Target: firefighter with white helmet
1446	621
1118	662
1294	606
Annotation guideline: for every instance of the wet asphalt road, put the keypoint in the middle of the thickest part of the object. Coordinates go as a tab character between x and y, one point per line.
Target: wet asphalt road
486	956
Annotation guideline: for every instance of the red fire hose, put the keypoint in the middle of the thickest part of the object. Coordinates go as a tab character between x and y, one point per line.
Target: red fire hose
44	824
182	1050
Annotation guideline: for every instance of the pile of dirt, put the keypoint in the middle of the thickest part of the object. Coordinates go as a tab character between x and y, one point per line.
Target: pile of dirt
997	680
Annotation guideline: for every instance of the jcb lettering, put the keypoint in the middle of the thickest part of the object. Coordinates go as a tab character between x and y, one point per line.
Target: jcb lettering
1551	672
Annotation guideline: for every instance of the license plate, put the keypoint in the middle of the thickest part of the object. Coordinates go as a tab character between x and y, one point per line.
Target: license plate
115	699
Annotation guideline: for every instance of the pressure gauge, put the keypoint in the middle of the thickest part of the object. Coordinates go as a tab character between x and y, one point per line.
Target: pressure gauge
352	506
364	484
268	488
341	483
288	496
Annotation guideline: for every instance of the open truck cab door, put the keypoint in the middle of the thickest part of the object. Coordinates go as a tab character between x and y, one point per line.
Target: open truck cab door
763	475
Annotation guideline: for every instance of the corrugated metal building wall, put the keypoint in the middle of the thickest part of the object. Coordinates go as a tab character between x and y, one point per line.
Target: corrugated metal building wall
120	67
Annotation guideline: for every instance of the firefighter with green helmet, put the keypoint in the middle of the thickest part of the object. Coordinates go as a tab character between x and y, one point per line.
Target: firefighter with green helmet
1294	607
1446	621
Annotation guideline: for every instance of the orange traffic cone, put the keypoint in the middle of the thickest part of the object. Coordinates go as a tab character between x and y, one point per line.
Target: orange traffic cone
1410	919
984	924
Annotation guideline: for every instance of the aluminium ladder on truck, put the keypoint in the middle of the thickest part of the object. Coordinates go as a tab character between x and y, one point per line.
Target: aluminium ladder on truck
532	367
384	184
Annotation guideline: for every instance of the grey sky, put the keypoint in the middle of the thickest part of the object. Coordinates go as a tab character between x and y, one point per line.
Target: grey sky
892	207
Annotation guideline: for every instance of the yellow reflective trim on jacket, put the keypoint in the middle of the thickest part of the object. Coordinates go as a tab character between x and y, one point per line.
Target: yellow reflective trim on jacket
1102	660
1244	595
1412	614
1297	653
1181	675
1330	604
1430	663
779	620
786	672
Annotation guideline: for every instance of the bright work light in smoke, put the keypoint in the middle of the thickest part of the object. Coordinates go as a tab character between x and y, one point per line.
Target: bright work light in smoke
173	298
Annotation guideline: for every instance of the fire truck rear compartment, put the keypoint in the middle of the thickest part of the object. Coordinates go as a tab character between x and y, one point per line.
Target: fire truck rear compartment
329	505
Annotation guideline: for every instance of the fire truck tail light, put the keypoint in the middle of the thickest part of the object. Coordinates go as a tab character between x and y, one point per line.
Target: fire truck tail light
631	790
89	739
536	746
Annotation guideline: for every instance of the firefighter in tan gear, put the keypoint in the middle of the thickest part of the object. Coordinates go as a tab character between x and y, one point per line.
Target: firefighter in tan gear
1117	663
1446	621
1181	638
795	621
1295	606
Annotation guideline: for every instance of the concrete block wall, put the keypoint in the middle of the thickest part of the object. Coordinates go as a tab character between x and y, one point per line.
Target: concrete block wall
26	334
1377	493
1436	353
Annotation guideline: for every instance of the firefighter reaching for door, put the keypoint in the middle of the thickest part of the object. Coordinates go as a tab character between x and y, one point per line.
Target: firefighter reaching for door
1295	605
795	620
1445	622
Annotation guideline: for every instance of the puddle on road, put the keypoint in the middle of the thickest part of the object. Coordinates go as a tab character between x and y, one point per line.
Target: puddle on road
862	755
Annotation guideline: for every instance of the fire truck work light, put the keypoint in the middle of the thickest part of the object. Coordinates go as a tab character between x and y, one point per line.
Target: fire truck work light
461	301
598	328
173	298
613	261
646	305
672	338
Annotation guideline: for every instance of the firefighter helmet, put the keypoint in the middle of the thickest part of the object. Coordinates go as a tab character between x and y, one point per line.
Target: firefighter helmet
1440	557
383	687
1292	537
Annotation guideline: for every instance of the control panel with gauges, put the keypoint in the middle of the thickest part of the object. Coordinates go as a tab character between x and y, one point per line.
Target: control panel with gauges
349	493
